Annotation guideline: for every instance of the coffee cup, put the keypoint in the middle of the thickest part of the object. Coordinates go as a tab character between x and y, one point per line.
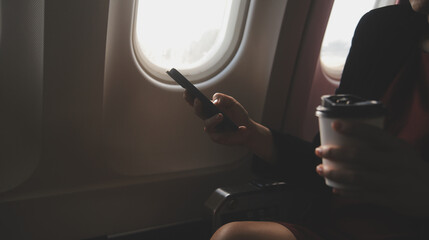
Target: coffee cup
347	108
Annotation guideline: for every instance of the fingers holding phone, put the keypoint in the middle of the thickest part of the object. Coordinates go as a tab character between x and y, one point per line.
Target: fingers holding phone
238	137
225	103
250	134
226	120
229	106
232	108
208	108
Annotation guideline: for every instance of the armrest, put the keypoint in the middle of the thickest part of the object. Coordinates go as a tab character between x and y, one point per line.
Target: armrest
259	201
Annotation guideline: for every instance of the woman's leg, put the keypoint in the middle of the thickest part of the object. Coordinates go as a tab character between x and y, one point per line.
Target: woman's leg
248	230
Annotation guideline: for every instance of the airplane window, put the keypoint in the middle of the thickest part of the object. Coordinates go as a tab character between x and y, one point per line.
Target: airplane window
198	37
344	17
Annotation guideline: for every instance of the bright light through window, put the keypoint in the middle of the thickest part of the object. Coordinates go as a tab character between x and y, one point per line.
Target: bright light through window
344	17
194	36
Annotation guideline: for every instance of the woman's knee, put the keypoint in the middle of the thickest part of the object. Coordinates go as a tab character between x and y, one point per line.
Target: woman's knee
229	231
253	231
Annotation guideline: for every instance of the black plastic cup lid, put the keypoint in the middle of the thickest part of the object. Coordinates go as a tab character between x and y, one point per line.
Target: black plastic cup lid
349	106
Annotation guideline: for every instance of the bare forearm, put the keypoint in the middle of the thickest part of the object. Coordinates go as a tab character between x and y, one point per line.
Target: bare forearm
260	142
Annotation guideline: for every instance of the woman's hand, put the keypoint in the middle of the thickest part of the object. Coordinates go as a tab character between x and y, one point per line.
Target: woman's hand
386	171
250	134
235	112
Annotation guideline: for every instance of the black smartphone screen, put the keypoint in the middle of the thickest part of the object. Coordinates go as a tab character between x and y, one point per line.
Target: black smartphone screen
209	109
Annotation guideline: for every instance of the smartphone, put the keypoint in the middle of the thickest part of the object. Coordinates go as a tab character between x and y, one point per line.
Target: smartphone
209	109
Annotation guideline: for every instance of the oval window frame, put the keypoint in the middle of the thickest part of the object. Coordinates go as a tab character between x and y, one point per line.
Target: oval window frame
201	73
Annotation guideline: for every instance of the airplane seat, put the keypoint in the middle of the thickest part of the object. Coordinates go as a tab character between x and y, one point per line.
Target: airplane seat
262	200
274	201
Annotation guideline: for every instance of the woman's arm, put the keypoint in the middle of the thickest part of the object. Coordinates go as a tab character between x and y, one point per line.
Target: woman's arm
279	155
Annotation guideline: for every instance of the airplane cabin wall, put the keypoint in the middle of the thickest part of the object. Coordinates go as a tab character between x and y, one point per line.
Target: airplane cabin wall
21	87
117	153
297	81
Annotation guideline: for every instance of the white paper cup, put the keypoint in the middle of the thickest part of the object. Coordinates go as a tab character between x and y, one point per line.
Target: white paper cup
345	108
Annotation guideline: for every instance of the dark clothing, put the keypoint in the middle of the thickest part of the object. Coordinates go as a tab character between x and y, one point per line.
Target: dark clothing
386	41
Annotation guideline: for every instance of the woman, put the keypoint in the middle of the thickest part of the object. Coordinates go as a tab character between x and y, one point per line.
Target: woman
388	61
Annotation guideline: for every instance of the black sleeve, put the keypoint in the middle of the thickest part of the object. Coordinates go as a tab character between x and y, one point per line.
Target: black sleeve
358	66
370	65
381	44
296	161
